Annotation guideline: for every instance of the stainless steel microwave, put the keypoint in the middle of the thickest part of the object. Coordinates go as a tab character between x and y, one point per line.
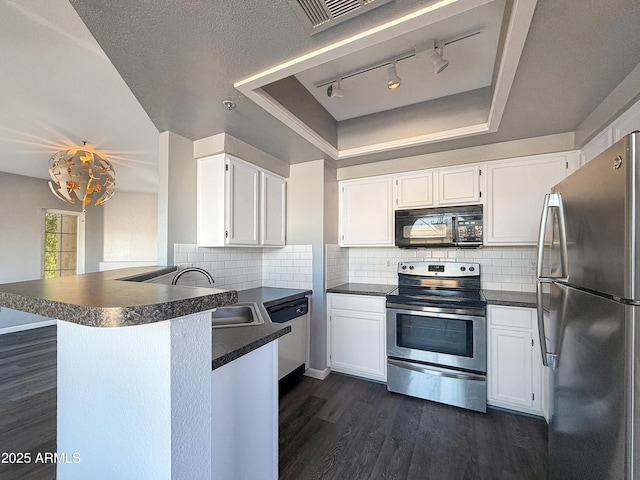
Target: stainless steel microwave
439	227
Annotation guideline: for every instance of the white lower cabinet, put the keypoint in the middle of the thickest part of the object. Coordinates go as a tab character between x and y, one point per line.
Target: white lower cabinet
244	417
357	335
515	375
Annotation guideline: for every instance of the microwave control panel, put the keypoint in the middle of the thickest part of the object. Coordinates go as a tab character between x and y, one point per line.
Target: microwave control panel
469	228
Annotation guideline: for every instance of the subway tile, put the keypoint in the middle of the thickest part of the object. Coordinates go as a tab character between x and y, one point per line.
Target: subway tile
195	257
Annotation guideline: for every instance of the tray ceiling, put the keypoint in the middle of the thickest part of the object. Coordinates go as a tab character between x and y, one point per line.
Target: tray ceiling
487	61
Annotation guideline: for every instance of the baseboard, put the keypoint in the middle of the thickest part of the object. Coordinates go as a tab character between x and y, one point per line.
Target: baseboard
27	326
319	374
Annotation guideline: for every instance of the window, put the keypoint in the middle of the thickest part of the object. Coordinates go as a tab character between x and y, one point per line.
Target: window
63	235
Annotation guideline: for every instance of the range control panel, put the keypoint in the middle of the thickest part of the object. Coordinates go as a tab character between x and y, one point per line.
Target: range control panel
440	269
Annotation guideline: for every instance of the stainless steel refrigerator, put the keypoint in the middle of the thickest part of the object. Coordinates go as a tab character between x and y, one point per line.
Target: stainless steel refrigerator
588	316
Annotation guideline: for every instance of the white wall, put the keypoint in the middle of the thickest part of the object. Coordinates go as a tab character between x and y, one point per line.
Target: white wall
305	225
176	195
22	202
131	228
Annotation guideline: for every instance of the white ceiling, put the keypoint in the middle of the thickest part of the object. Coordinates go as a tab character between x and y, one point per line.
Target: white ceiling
171	64
59	89
471	66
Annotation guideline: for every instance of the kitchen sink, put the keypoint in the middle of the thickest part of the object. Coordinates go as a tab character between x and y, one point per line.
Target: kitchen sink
238	315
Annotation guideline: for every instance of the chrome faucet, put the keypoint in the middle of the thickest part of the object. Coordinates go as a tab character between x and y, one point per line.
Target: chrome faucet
174	281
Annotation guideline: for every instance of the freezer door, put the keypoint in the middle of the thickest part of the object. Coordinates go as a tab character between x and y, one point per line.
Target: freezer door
591	400
600	203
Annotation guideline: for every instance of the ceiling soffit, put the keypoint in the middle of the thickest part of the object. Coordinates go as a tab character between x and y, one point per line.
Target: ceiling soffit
438	18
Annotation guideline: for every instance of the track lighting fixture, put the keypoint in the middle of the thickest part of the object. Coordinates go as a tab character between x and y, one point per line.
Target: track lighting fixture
334	90
394	80
436	47
436	58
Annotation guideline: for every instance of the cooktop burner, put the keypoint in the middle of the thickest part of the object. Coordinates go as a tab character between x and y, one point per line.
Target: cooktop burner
438	284
436	297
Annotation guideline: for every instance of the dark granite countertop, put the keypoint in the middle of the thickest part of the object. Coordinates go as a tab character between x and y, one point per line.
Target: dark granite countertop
107	299
231	343
228	344
363	289
493	297
269	296
510	299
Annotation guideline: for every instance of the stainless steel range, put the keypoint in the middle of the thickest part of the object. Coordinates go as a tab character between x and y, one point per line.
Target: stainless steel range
436	334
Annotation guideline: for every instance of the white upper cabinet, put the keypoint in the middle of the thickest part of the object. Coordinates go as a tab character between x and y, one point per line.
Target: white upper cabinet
238	203
459	185
626	123
414	190
274	198
366	212
515	192
596	146
242	200
438	187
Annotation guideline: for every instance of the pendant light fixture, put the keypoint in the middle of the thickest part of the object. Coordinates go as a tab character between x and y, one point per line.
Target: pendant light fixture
81	175
394	80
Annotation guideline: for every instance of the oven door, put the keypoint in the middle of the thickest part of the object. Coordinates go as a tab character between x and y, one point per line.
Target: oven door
429	335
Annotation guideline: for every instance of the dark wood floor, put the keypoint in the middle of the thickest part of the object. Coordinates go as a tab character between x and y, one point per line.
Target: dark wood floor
344	428
27	401
340	428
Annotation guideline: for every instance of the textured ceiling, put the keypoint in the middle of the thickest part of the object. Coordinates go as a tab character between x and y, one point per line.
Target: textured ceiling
180	59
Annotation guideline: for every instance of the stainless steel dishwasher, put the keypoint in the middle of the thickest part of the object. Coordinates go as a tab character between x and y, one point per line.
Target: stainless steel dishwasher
292	348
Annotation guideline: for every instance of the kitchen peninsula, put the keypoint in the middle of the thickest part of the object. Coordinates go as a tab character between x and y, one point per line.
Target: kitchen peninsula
134	371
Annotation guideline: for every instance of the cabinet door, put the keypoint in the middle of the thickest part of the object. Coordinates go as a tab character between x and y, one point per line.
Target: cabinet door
358	343
366	212
516	190
510	374
273	209
414	190
211	201
242	203
459	186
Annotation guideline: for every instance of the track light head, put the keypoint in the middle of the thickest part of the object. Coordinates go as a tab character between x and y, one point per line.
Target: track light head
394	80
438	62
334	90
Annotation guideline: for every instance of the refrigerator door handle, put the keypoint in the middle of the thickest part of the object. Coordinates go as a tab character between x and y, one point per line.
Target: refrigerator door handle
552	200
548	359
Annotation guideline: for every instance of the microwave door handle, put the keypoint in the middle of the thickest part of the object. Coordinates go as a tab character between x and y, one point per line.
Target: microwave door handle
552	201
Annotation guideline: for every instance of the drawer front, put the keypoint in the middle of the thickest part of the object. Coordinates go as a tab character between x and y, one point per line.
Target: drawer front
358	303
511	317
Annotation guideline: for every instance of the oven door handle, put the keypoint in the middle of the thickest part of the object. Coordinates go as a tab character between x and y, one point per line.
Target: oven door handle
431	370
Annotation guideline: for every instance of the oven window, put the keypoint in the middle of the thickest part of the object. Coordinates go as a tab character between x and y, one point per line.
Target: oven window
432	334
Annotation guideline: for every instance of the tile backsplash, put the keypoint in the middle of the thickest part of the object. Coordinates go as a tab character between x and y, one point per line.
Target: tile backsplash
337	263
502	268
239	268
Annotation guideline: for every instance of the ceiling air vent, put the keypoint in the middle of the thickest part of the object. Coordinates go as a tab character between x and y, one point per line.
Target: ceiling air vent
318	15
